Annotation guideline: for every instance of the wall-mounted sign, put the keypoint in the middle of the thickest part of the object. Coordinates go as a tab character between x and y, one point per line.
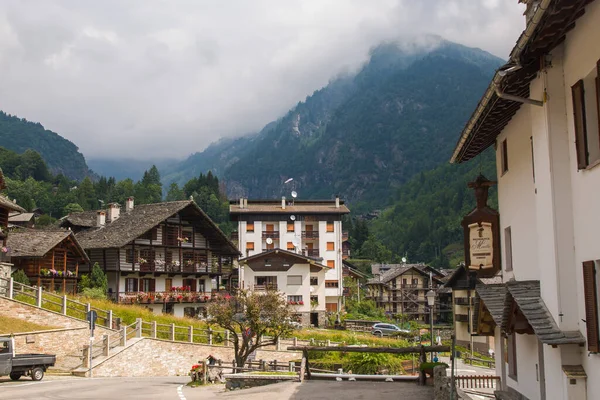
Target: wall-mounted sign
482	233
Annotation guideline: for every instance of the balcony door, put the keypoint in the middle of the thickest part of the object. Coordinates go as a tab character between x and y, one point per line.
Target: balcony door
191	283
266	282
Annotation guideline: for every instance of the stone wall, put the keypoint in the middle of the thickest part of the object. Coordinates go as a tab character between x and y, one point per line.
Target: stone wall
155	357
4	274
66	341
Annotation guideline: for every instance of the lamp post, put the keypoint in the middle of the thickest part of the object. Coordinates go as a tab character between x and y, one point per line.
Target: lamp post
431	302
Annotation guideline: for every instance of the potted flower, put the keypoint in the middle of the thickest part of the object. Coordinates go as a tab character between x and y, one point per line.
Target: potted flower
141	297
158	297
301	303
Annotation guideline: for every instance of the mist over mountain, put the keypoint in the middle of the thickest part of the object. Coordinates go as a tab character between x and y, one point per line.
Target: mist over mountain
361	136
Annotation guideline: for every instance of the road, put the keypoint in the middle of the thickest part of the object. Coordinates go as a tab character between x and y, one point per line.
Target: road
58	388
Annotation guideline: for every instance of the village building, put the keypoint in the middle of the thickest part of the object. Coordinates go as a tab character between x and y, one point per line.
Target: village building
541	115
309	228
23	220
400	290
300	278
168	256
51	259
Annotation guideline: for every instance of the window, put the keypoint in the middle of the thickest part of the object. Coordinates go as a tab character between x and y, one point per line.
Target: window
269	282
294	279
330	227
590	294
331	307
504	157
331	284
131	284
508	248
586	119
270	227
581	144
330	246
249	245
147	285
249	226
270	246
314	299
191	283
511	356
295	299
290	246
152	234
129	257
290	227
532	158
314	281
331	264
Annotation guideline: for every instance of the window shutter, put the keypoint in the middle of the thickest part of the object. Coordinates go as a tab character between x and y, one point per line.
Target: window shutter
330	227
290	227
331	263
591	306
330	246
580	127
152	285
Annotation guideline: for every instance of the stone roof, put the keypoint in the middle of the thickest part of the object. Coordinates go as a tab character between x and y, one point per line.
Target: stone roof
494	297
10	205
527	296
37	243
299	207
130	225
400	269
22	217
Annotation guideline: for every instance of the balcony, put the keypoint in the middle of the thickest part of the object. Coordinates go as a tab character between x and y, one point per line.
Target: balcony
163	297
312	252
263	288
461	301
270	234
177	268
310	234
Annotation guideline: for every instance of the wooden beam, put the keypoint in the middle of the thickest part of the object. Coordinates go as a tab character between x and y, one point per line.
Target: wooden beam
388	350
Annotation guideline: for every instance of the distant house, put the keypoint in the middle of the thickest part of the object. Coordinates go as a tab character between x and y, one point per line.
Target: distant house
24	220
299	278
50	258
170	256
346	247
401	288
356	277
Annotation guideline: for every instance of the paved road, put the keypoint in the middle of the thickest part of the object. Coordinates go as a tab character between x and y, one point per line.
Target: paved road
55	388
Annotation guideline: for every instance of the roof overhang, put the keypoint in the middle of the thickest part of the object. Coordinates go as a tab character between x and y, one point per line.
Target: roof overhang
546	29
281	252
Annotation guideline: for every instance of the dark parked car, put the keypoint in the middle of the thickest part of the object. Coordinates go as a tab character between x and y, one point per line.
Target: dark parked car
387	330
17	365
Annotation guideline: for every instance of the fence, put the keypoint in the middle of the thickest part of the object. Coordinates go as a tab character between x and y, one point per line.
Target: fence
477	381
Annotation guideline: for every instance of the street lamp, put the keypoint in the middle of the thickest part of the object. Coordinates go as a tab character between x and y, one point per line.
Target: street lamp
431	302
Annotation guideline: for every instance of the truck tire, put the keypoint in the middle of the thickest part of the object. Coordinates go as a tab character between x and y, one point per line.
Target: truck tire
37	374
15	376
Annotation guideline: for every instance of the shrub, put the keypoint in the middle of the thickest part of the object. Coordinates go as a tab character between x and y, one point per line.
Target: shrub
94	293
373	363
98	278
20	277
84	283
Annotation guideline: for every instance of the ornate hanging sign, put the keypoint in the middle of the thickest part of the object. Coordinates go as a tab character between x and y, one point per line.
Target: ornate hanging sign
482	233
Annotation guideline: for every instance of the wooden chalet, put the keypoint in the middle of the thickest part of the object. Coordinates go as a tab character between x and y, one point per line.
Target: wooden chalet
50	258
159	253
401	290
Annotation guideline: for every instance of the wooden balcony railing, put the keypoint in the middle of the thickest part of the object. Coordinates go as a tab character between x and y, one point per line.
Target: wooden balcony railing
163	297
195	268
310	234
262	288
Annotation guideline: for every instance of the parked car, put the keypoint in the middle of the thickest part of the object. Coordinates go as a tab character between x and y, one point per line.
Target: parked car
17	365
387	330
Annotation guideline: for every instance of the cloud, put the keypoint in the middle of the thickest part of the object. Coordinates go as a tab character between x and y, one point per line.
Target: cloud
166	78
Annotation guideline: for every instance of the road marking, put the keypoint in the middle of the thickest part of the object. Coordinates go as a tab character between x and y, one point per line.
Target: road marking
180	392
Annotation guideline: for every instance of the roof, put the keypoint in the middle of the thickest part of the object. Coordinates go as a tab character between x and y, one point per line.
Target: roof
494	297
302	258
22	217
527	296
378	269
546	28
397	270
298	207
10	205
130	225
37	243
460	275
352	270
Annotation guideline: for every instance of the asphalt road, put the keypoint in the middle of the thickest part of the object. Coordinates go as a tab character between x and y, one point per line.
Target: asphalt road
56	388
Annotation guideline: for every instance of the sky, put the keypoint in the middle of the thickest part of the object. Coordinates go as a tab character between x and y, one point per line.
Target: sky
150	79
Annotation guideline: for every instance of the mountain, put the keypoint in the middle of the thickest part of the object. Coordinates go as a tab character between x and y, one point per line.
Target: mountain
122	168
61	155
361	136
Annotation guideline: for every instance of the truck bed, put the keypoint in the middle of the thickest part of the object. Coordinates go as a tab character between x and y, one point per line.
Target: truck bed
25	360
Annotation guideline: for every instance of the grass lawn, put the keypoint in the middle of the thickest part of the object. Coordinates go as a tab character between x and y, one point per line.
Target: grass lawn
15	325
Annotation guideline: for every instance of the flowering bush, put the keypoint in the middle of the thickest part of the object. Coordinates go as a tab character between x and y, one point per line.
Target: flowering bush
142	260
4	249
181	288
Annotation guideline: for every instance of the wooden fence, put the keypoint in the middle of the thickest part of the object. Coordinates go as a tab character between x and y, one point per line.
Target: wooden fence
477	381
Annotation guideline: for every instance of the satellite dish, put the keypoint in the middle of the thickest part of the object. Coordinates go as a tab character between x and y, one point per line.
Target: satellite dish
269	241
294	194
293	217
404	260
296	242
312	289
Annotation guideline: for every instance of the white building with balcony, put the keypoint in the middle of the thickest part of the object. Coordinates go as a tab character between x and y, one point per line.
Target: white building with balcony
309	228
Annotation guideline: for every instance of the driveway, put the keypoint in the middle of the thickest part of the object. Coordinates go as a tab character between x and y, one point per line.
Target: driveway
57	388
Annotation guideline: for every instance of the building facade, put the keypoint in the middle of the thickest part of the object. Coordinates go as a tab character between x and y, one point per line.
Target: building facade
310	228
400	289
168	256
541	113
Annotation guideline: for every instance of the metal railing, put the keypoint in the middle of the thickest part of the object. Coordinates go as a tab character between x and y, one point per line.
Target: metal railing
477	381
270	234
310	234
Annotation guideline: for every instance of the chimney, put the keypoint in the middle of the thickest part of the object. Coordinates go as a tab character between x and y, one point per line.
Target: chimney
283	202
113	212
241	202
245	202
129	204
100	218
337	201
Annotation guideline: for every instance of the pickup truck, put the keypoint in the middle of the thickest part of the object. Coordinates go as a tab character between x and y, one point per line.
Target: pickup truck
17	365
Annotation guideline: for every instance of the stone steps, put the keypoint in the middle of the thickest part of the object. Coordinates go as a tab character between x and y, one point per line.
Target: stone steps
84	372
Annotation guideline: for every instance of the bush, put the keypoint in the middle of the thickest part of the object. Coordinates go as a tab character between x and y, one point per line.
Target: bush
373	363
98	278
20	277
84	283
94	293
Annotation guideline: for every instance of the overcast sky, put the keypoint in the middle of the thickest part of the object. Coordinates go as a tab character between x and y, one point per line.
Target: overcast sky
151	78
